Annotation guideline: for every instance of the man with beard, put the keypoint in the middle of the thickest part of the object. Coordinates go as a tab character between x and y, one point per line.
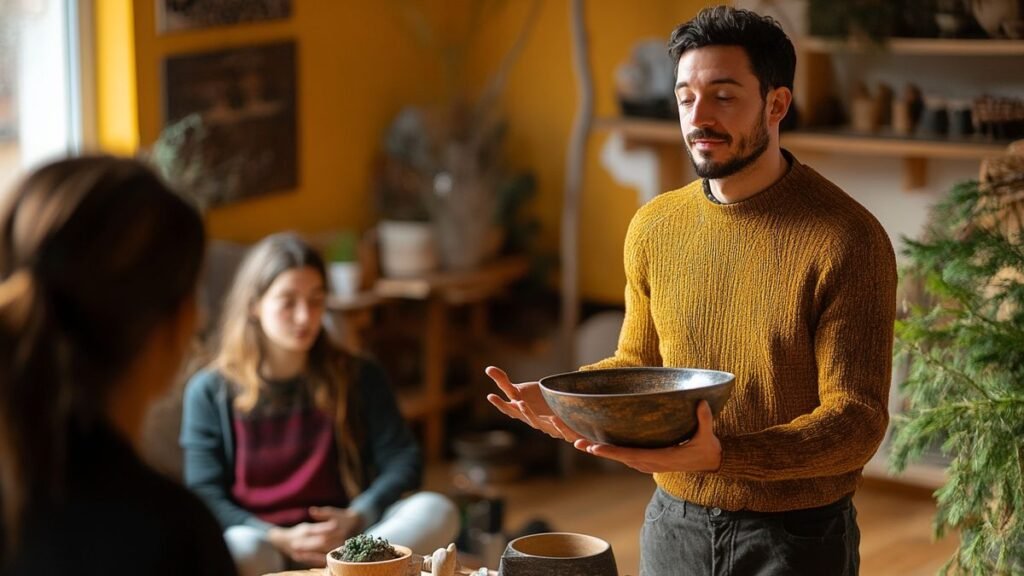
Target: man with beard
765	269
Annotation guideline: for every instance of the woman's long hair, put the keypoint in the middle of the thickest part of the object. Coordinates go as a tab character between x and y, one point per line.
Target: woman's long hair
95	253
240	347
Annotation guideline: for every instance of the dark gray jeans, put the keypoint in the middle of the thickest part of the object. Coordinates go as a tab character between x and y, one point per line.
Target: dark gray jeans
680	538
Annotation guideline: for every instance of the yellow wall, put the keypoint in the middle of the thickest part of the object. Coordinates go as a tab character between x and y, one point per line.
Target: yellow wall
540	102
358	65
354	72
117	111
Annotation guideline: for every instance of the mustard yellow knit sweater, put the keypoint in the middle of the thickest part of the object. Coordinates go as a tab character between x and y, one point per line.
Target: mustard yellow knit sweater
794	292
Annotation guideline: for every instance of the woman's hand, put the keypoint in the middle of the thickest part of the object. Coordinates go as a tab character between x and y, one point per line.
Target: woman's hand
309	542
526	404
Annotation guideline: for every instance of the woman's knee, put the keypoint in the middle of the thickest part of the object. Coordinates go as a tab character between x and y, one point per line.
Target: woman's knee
252	553
424	521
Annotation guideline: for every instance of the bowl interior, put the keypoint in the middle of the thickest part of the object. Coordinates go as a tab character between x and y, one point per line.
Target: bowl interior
559	545
558	554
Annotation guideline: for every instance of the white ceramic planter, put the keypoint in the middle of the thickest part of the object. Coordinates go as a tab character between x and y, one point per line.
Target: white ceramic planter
407	248
344	278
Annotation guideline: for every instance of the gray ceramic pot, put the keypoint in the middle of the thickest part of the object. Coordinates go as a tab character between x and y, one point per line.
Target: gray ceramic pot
558	554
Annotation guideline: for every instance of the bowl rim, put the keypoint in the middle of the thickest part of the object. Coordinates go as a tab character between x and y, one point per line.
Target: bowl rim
732	379
591	537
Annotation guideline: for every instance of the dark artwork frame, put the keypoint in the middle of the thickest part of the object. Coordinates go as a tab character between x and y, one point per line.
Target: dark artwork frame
246	98
176	15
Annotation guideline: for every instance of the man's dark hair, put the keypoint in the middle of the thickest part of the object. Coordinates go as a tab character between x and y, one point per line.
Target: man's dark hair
770	51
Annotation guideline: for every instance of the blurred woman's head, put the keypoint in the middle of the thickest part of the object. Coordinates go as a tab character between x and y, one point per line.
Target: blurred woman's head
97	258
289	312
275	307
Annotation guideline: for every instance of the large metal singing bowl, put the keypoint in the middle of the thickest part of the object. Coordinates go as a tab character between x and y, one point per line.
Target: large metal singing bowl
635	407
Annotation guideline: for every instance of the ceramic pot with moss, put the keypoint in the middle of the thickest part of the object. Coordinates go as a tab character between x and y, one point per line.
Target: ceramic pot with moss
399	566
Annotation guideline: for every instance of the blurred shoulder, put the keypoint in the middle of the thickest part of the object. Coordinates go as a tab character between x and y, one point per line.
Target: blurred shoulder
208	382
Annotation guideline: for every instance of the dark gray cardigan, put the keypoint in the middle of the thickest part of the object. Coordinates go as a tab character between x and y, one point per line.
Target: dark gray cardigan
391	455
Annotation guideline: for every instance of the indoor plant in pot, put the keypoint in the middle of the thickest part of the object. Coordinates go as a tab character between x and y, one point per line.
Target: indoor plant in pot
453	148
408	244
187	158
366	555
343	264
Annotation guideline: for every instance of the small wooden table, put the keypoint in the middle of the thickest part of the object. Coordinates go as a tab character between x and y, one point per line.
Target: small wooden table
440	291
351	316
315	572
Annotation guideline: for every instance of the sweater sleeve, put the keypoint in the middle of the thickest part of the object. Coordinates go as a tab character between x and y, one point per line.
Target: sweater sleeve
853	351
208	471
391	448
638	339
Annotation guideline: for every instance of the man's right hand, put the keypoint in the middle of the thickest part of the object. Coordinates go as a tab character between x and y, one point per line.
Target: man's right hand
526	404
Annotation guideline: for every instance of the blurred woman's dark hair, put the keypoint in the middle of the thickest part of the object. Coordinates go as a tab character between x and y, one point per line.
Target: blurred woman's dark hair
95	254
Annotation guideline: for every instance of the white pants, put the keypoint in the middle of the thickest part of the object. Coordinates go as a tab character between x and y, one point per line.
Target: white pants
424	522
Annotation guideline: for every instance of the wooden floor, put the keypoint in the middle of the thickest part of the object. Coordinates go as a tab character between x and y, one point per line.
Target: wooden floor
895	522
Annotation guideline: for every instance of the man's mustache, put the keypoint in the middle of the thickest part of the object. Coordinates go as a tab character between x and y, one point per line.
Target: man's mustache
704	134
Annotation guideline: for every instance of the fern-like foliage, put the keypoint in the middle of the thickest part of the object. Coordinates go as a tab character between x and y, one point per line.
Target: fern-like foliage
965	385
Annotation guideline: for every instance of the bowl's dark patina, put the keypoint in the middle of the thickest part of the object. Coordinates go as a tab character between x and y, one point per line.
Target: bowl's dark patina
635	407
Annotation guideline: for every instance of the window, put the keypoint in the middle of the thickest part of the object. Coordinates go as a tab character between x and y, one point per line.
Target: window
40	102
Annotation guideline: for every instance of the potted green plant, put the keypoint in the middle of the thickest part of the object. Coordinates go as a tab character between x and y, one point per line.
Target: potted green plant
406	234
343	264
184	155
366	555
965	348
444	162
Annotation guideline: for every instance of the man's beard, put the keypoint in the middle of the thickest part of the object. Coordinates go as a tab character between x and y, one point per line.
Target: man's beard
756	145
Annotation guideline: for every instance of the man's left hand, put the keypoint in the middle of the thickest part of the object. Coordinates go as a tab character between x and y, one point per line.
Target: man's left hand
702	453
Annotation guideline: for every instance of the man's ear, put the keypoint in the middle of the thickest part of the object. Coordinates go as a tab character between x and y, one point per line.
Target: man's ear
779	101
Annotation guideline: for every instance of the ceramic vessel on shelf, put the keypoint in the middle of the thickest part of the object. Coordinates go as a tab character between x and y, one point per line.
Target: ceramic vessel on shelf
991	14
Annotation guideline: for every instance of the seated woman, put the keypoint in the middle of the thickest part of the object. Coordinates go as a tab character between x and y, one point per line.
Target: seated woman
294	444
98	269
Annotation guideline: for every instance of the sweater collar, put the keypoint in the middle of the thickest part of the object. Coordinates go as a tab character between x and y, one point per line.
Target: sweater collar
766	201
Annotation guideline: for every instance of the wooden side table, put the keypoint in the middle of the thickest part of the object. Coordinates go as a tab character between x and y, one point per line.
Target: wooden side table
351	317
441	291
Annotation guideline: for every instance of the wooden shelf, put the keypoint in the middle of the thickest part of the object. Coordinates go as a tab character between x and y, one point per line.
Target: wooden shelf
642	130
661	132
848	142
456	286
914	151
917	46
360	301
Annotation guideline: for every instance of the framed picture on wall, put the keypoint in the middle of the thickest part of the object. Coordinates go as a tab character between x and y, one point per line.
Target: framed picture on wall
173	15
246	100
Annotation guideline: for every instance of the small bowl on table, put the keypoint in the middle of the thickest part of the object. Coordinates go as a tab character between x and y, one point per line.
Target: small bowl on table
558	554
636	407
395	567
